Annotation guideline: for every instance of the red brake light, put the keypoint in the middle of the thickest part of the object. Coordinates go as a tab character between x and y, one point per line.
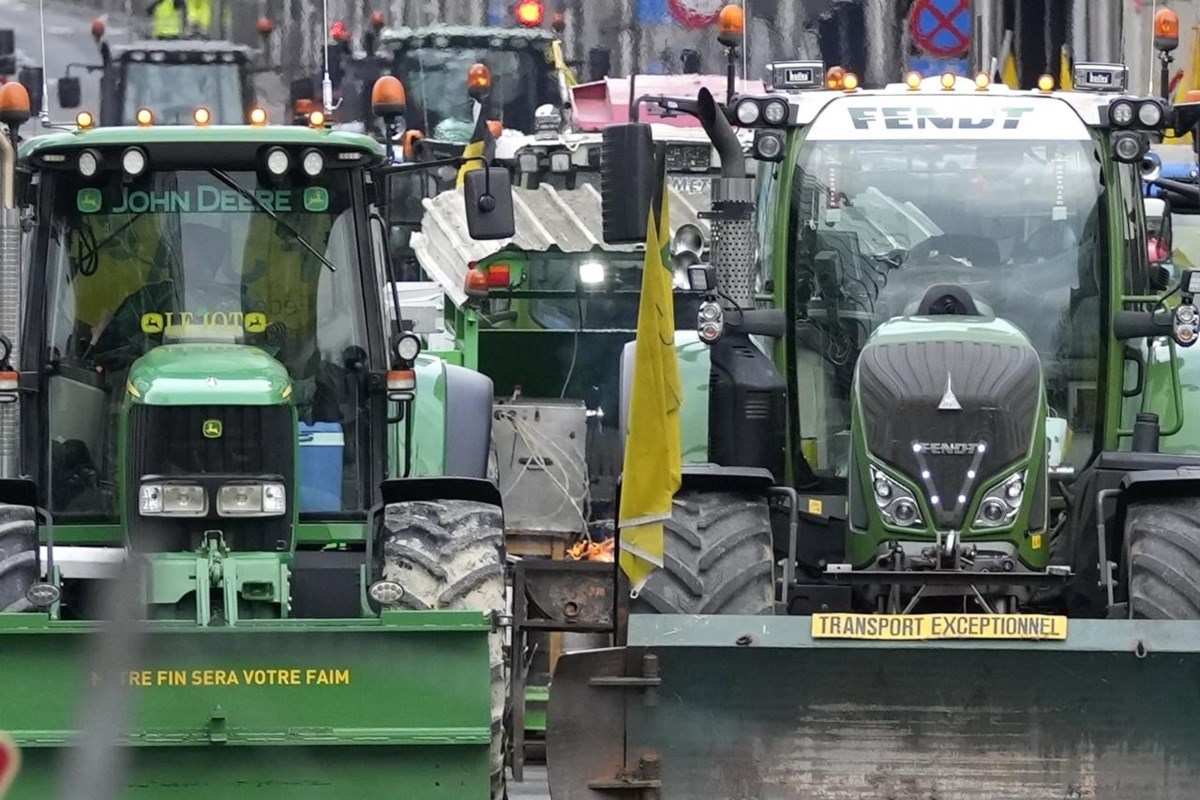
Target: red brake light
499	275
530	13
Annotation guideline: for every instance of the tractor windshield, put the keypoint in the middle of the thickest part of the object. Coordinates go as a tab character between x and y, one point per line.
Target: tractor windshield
1017	223
173	91
184	257
438	105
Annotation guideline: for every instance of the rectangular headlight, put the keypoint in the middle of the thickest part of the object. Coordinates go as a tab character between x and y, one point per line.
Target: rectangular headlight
172	500
251	500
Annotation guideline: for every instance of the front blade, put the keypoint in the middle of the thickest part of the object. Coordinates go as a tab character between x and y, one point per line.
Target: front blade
754	707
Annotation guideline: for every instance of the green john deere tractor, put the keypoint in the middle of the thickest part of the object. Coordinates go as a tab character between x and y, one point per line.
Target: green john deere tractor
169	78
213	441
947	539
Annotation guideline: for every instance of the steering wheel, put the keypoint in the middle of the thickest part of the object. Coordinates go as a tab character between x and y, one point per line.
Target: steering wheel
177	115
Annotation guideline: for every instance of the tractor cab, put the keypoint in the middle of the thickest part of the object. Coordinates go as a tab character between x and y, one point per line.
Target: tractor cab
169	78
525	60
210	299
957	273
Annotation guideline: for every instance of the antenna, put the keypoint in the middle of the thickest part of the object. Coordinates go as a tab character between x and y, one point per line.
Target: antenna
326	83
44	111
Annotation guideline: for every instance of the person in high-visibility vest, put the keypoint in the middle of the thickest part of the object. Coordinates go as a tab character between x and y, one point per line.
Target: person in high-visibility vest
169	16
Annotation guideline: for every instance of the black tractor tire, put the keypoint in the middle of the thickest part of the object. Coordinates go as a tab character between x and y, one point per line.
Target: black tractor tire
18	556
449	554
717	558
1163	539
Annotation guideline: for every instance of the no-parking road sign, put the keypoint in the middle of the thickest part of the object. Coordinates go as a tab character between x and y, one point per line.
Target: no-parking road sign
941	27
10	762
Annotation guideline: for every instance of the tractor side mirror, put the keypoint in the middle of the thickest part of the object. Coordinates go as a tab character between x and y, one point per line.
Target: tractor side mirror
70	95
487	193
627	175
8	52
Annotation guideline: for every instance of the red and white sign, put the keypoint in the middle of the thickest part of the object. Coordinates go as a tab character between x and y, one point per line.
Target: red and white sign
10	762
696	13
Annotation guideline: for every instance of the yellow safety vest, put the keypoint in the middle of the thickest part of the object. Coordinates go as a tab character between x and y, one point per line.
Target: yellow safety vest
168	22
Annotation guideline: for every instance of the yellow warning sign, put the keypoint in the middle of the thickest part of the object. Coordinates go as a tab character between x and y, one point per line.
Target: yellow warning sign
903	627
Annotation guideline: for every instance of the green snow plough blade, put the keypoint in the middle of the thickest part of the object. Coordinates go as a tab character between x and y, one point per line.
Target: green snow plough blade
702	707
391	707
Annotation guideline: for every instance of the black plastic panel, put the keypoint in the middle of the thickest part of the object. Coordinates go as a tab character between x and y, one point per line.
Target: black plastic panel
169	441
902	385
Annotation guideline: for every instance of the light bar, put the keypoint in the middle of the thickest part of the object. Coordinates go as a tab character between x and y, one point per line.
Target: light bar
795	76
1101	77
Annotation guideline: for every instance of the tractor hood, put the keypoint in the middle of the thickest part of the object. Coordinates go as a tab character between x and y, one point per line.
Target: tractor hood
950	405
208	374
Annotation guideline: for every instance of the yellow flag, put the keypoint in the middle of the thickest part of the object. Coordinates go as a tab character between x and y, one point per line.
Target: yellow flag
482	145
652	469
1010	77
1066	81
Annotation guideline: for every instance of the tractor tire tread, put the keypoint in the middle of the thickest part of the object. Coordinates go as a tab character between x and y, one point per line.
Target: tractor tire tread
18	556
1164	558
449	554
717	558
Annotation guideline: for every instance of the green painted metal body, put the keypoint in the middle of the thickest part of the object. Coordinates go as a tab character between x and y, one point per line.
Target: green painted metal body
208	374
863	545
259	703
430	427
1100	715
333	708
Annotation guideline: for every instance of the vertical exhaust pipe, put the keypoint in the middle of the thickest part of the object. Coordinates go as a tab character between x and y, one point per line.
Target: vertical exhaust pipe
733	208
10	300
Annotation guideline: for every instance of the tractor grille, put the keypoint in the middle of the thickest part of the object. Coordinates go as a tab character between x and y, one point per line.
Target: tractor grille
170	441
901	387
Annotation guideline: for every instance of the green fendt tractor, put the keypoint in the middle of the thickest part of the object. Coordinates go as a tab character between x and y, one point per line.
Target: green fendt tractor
208	420
170	79
946	402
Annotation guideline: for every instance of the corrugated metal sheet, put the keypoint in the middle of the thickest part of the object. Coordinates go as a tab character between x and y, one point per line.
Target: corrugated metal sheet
567	220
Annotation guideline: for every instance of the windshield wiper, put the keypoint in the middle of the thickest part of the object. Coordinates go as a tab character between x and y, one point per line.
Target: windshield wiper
270	212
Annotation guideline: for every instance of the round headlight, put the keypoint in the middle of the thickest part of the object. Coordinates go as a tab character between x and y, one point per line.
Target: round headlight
1128	147
278	161
133	161
993	510
775	112
769	146
1014	489
89	163
710	312
1150	114
1121	113
747	112
408	347
883	488
313	163
904	511
710	331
